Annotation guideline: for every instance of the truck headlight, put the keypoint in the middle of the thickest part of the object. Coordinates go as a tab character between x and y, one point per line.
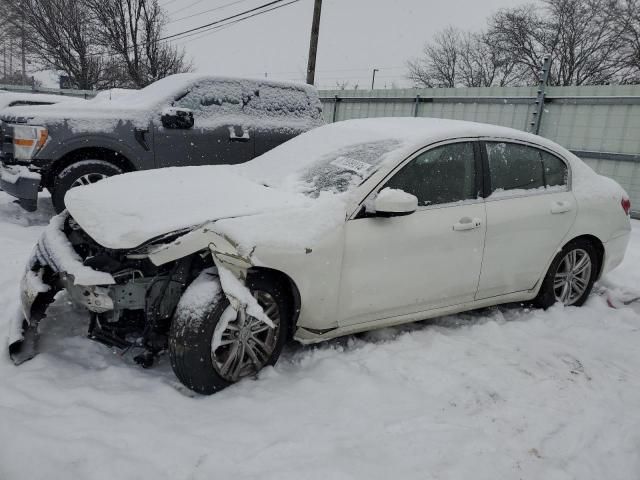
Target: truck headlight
28	140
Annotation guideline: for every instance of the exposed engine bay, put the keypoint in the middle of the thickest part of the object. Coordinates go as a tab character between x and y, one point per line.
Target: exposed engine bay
134	311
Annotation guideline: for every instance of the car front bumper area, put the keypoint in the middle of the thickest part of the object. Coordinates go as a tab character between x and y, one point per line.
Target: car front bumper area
47	273
22	183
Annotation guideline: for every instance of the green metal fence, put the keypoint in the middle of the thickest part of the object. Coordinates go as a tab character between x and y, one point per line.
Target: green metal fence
601	124
52	91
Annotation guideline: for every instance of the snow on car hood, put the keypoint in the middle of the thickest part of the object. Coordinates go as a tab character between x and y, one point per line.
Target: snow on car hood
126	211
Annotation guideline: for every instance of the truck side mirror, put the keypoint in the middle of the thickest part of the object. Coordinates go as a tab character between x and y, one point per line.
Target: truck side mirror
177	118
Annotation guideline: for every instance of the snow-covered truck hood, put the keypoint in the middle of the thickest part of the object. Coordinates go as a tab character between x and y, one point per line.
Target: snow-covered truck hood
125	211
81	116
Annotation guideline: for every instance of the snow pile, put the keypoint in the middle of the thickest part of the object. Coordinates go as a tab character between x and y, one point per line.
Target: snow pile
500	393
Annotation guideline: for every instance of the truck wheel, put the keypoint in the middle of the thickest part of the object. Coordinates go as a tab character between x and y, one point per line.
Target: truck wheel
77	174
245	344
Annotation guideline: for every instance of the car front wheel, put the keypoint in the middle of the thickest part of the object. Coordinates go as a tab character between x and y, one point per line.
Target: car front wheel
571	275
211	346
84	172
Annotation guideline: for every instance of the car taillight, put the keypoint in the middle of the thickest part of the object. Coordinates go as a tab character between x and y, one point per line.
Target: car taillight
626	205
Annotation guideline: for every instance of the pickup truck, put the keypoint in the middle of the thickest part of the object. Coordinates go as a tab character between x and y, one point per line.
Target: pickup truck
184	119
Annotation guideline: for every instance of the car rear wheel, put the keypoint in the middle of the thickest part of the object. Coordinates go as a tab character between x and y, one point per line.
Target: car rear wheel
84	172
571	275
211	346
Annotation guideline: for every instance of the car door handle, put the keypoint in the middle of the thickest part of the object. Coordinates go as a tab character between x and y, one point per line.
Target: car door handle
245	137
560	207
467	223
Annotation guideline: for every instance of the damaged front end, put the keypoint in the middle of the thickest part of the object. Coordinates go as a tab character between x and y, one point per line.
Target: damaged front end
129	295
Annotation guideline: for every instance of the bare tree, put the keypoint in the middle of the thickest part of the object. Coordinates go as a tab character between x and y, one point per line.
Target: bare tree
484	64
589	40
439	62
583	38
631	40
13	46
60	34
132	30
458	58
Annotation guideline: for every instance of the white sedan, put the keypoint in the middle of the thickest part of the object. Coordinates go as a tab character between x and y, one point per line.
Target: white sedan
353	226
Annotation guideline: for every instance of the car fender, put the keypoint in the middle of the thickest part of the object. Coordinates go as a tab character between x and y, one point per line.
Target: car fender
222	248
63	142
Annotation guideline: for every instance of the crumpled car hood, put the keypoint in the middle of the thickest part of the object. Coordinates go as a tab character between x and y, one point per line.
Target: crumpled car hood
126	211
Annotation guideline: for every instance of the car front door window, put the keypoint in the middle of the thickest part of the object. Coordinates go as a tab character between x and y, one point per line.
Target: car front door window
445	174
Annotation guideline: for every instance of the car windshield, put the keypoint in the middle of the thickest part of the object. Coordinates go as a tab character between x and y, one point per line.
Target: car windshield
344	169
334	159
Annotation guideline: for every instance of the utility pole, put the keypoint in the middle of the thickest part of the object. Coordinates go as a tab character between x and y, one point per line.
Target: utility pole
373	77
23	51
313	44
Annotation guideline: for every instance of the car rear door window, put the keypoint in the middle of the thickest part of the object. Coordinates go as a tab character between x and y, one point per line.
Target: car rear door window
515	168
445	174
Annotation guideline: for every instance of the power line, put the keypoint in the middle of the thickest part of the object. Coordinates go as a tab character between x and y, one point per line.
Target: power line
217	22
206	11
192	4
213	26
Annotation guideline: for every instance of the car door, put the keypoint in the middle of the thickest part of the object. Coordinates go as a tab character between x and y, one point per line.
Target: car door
428	259
529	212
222	133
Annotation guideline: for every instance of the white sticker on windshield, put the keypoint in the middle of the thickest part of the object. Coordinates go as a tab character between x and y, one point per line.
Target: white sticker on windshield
351	164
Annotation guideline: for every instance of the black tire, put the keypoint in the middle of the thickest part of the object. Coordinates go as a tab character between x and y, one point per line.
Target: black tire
547	296
64	181
193	327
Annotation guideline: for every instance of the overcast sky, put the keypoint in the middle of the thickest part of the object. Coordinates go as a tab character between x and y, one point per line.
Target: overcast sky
355	36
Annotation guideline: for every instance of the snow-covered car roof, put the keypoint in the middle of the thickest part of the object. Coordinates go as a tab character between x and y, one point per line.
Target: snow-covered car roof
397	137
9	99
113	94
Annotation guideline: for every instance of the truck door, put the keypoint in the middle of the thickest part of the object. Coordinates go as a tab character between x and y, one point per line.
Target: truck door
220	134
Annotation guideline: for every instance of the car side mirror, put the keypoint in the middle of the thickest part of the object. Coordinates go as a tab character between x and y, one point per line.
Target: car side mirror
391	202
177	118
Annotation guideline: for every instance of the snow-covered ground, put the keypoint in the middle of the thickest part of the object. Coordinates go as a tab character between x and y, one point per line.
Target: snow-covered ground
504	393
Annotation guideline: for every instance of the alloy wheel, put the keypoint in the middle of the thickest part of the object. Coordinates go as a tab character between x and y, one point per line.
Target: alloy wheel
247	343
88	179
572	276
